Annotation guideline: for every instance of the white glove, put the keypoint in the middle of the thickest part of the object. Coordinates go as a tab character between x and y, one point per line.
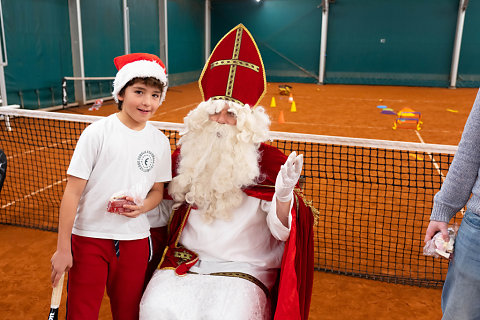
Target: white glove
288	176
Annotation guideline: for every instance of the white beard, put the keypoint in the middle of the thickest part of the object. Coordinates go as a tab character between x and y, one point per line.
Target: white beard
214	165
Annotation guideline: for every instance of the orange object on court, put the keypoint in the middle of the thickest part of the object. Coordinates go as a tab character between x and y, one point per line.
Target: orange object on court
408	119
281	118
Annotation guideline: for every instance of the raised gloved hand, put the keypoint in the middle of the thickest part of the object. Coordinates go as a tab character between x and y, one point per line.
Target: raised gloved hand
288	176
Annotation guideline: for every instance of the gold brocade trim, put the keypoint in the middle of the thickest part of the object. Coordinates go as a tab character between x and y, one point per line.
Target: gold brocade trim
182	256
178	238
163	258
236	62
241	275
187	214
308	203
233	68
228	99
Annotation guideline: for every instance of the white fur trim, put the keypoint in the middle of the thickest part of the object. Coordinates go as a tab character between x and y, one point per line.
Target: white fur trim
253	123
139	69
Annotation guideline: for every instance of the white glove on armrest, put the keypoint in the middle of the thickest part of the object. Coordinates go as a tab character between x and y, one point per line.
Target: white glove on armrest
288	176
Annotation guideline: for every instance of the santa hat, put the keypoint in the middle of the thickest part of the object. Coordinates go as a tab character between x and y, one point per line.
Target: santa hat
138	65
234	71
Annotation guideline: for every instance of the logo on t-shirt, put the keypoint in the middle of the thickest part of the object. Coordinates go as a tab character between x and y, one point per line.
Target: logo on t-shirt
145	161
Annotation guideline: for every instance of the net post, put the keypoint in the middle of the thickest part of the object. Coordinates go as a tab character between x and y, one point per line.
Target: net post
20	94
7	123
37	92
53	96
7	118
64	93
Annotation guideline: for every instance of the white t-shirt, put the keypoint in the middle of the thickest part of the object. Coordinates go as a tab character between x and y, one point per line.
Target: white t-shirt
251	242
114	158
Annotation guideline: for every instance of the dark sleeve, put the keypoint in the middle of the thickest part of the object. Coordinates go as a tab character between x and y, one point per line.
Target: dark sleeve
3	168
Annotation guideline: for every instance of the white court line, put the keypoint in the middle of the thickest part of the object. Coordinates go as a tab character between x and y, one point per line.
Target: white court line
358	127
33	193
176	109
41	189
329	125
431	157
38	149
436	165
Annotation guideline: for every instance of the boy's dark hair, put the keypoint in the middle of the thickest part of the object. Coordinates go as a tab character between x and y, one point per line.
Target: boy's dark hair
149	81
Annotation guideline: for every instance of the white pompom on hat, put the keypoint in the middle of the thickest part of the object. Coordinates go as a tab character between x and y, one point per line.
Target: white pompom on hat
138	65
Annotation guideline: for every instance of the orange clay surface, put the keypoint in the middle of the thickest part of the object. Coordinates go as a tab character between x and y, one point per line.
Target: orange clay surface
337	110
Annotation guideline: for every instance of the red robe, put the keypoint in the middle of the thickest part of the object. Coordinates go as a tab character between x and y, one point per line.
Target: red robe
291	299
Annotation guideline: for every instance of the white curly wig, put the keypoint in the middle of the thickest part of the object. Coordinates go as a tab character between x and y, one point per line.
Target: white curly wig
217	160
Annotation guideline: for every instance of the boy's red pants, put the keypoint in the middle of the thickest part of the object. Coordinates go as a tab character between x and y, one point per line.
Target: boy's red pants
96	266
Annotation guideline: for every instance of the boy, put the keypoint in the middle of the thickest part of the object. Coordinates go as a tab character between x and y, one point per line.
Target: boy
120	155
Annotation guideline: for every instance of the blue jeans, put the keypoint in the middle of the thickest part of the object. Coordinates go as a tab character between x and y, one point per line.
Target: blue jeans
461	290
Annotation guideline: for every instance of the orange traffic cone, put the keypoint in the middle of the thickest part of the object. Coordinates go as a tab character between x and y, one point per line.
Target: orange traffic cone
281	119
293	108
273	103
290	98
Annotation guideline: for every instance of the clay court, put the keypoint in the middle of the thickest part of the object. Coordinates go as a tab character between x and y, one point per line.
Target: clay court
334	110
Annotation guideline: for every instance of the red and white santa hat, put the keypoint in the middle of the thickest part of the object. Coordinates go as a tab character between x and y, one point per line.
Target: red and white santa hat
138	65
234	72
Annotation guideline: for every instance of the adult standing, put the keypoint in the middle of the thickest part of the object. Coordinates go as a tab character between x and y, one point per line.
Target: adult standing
461	290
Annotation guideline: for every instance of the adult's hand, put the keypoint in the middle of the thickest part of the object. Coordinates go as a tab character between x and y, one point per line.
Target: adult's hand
436	226
288	177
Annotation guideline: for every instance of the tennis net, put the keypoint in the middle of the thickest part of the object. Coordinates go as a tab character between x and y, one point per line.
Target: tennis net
374	196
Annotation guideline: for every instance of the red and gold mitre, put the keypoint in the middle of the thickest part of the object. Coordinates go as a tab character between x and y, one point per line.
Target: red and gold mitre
234	71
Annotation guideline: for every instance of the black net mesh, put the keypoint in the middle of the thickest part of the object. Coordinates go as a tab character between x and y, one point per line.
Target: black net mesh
374	203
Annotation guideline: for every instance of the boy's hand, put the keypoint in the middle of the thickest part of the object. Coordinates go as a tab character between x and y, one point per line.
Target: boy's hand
61	262
152	200
117	205
132	210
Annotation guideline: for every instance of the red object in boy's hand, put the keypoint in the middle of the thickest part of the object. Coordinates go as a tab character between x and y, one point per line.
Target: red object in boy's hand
116	205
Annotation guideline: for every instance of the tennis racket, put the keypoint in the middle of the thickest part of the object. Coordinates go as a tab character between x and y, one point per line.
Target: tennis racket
56	298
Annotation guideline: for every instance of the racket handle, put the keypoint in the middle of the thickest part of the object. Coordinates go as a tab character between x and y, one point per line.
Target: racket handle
57	293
